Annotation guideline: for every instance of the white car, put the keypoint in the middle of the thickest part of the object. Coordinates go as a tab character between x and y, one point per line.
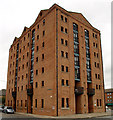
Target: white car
1	108
8	109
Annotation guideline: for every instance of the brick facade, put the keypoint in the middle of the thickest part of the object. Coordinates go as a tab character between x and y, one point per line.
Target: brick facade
41	67
109	98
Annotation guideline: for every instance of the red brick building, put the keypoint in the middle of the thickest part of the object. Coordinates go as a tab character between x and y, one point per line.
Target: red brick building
109	98
55	67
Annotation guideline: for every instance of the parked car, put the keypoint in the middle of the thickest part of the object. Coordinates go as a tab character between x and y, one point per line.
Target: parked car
8	109
1	108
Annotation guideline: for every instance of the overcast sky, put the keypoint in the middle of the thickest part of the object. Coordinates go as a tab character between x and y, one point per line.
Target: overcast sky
15	14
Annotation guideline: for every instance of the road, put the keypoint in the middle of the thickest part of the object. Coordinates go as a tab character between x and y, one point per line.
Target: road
4	116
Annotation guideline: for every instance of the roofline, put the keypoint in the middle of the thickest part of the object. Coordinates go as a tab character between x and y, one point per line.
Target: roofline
49	10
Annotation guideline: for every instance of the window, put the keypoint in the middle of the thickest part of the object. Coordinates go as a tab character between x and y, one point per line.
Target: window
96	76
27	64
67	102
25	103
22	77
37	48
44	22
19	59
62	29
26	87
62	17
24	47
62	68
62	102
17	102
66	55
28	34
99	87
96	45
20	50
42	103
38	27
43	33
97	102
62	53
65	30
66	69
65	19
9	90
21	88
27	54
36	84
27	44
42	69
96	86
21	103
36	59
23	66
95	64
66	43
37	37
93	35
24	38
43	44
23	56
42	56
36	72
67	83
62	41
97	55
26	75
94	54
100	103
12	81
62	82
42	83
35	103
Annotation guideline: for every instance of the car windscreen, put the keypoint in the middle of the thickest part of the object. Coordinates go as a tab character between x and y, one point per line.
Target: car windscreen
9	107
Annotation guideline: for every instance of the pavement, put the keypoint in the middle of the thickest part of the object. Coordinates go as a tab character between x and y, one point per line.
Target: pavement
88	115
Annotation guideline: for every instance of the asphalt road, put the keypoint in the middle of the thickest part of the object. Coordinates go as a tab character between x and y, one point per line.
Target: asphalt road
4	116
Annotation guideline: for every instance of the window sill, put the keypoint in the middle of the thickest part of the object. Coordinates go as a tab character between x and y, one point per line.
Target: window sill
99	107
65	108
65	86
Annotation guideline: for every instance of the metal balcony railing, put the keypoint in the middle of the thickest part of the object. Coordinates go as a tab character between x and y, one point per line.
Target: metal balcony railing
90	91
29	92
77	76
79	90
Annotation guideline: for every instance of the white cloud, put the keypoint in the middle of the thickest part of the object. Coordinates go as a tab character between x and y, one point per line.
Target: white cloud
17	14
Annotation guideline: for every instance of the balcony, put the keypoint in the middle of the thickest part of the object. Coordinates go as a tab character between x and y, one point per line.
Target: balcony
90	91
14	94
77	76
29	92
79	90
76	63
76	51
